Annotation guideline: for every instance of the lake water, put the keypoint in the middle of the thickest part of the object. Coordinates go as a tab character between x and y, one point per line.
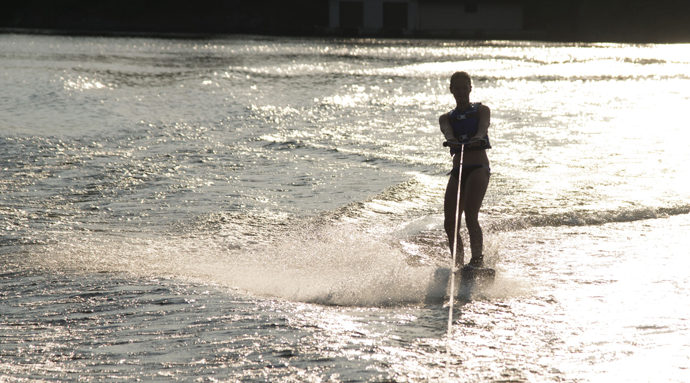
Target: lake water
254	209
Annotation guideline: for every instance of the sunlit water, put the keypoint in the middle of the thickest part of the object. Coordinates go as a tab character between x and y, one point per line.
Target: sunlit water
265	209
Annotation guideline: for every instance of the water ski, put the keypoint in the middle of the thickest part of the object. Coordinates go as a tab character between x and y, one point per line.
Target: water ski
474	277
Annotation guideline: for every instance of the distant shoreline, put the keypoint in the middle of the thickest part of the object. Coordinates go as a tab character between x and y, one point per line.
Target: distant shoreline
109	33
570	21
460	36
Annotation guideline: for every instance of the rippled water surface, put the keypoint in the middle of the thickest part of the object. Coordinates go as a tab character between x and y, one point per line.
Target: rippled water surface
253	209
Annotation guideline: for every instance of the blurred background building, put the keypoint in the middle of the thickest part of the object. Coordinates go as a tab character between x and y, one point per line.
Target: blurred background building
426	17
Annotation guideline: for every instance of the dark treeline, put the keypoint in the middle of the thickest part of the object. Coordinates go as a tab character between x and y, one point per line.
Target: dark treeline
166	16
644	21
565	20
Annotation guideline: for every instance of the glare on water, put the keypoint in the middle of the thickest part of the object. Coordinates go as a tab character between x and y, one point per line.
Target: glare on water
269	209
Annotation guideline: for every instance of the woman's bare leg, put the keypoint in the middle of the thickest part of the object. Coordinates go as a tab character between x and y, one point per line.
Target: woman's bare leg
475	190
449	218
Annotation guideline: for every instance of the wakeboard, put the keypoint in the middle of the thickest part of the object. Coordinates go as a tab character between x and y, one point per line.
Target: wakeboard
474	278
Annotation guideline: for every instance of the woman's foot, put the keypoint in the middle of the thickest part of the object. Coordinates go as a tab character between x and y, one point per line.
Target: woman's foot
477	262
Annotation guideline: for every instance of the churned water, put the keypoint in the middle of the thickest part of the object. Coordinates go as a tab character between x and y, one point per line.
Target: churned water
251	209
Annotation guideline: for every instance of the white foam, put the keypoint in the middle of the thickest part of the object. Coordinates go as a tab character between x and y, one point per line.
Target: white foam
336	265
430	222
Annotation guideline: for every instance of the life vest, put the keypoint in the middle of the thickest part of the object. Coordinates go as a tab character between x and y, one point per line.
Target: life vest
466	125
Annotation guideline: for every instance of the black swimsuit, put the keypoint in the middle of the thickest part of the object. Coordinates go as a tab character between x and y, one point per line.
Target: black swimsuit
467	170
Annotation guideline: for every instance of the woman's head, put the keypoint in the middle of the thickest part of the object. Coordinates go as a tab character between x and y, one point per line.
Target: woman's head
461	76
461	87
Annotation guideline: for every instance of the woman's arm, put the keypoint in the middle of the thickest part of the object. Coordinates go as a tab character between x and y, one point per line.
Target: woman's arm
446	128
484	122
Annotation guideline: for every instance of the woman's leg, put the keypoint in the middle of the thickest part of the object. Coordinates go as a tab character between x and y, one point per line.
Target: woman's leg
475	189
449	218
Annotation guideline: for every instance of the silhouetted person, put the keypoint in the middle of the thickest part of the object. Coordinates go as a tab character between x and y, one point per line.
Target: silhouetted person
467	122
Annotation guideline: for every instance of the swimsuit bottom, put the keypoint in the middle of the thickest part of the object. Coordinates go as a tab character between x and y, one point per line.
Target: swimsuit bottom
467	170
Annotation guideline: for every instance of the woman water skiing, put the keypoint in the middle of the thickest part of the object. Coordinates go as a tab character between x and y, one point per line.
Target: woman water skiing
468	122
